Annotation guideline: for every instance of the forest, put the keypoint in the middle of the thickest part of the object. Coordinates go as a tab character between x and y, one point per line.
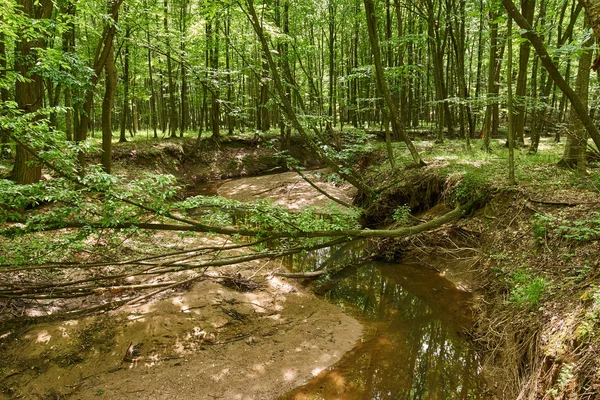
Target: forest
158	154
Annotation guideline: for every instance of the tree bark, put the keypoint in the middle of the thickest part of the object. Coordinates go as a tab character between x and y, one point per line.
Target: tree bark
29	93
107	108
125	114
104	47
172	106
4	96
518	118
574	155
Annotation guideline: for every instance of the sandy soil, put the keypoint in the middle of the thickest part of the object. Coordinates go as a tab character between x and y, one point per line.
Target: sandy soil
212	341
215	340
287	189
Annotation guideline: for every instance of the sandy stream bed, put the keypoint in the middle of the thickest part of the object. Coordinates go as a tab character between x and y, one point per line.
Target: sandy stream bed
209	342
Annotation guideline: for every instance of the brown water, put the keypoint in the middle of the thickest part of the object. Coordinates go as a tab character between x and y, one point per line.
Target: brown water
412	347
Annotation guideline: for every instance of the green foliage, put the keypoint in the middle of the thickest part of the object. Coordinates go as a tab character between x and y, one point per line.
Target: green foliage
587	328
526	290
577	230
472	186
565	376
540	224
401	214
264	215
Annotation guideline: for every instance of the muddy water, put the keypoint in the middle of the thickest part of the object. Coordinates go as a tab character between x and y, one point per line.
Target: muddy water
411	349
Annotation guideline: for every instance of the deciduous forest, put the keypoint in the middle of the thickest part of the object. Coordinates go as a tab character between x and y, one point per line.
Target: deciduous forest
297	199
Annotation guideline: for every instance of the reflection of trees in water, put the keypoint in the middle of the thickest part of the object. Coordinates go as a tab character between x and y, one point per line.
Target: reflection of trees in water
410	354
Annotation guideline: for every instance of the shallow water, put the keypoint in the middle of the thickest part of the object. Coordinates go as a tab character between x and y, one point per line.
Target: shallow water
412	347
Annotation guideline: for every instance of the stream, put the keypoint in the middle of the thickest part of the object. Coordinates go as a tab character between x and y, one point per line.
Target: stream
411	349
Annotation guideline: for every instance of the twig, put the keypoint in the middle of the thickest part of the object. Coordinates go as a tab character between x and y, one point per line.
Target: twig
300	275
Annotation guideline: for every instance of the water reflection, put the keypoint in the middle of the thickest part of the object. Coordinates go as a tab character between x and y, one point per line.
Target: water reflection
411	348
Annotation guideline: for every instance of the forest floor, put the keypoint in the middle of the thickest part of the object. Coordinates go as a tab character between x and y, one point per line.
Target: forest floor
530	252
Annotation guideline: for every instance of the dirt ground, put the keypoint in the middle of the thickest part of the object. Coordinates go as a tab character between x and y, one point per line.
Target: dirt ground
215	340
209	342
287	189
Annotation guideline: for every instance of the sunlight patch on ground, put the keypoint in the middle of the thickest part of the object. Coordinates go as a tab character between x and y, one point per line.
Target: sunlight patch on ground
178	302
289	375
260	368
282	286
43	337
64	331
217	377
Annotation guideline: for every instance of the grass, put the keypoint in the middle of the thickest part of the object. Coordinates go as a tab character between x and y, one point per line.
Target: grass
536	170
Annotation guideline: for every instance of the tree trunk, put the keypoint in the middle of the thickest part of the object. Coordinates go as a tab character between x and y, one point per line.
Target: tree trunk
173	121
215	109
518	119
153	120
382	84
528	33
104	47
185	107
4	96
574	155
111	90
107	109
511	126
492	86
29	93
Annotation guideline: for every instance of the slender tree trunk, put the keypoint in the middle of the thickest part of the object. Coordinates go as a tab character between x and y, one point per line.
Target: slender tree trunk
511	126
528	33
458	39
185	107
153	116
492	90
29	93
518	119
331	112
125	110
104	47
107	109
68	46
574	155
215	105
382	84
230	121
173	120
4	96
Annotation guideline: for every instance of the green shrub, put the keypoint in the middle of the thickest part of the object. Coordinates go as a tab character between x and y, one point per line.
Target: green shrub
402	214
526	289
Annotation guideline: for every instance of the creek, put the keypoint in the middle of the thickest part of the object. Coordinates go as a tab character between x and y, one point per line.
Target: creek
412	347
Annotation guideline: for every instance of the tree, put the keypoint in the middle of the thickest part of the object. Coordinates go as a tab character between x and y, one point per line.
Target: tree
575	150
382	84
29	91
528	33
